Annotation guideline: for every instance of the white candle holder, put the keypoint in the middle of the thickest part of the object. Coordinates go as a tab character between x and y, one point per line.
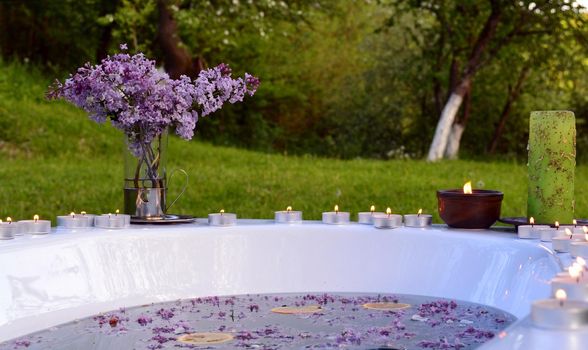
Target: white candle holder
547	234
418	220
222	219
35	226
288	216
530	231
556	314
387	221
336	217
367	217
7	230
562	244
112	221
75	221
579	249
576	289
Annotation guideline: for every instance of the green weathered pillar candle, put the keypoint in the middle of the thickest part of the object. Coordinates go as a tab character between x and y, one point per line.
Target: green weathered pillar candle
552	166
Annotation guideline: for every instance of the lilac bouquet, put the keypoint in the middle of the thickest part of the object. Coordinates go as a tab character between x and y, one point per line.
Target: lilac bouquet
145	102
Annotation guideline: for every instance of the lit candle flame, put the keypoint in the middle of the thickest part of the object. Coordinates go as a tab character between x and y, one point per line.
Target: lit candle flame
561	296
9	220
586	236
109	216
581	261
372	209
289	209
0	221
116	212
467	188
568	232
574	272
222	211
419	212
388	211
83	213
36	218
557	225
532	221
73	215
336	209
585	229
575	222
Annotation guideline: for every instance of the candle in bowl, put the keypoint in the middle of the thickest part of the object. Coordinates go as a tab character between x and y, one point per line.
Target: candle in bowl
387	220
336	217
562	244
222	219
367	217
288	216
6	230
418	220
530	231
470	209
560	313
573	284
75	221
36	226
112	221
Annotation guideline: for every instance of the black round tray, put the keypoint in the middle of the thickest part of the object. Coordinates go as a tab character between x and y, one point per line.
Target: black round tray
520	220
169	219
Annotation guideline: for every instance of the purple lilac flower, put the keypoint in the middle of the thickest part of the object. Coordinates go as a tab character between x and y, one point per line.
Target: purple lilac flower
142	101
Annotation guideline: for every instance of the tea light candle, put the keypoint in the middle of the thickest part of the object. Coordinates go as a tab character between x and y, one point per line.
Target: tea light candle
388	220
36	226
73	221
222	219
562	244
579	249
367	217
573	284
6	230
546	234
418	220
336	217
530	231
18	228
560	313
288	216
112	221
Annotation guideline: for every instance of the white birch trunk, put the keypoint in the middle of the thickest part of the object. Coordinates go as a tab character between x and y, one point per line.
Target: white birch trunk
439	144
454	139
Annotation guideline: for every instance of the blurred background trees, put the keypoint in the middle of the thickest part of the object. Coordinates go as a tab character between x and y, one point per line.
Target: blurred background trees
347	79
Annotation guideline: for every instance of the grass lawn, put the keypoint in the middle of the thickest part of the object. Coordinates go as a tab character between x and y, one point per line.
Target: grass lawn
53	160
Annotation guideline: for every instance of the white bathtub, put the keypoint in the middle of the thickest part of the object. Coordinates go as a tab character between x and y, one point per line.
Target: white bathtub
52	279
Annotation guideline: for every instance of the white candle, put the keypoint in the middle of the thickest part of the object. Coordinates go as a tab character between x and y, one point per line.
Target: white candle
575	287
222	219
288	216
367	217
336	217
388	220
75	221
579	249
112	221
36	226
418	220
6	230
530	231
559	313
562	244
546	234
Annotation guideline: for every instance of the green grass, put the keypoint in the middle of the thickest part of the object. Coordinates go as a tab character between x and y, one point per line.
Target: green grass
53	160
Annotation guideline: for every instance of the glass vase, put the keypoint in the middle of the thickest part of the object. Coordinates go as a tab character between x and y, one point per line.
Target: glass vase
145	184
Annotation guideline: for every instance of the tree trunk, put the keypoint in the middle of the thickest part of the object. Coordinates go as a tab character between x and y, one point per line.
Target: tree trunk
443	130
176	58
513	94
457	129
444	126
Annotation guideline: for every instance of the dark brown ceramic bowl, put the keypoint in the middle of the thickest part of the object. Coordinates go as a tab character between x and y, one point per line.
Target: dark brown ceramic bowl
478	210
